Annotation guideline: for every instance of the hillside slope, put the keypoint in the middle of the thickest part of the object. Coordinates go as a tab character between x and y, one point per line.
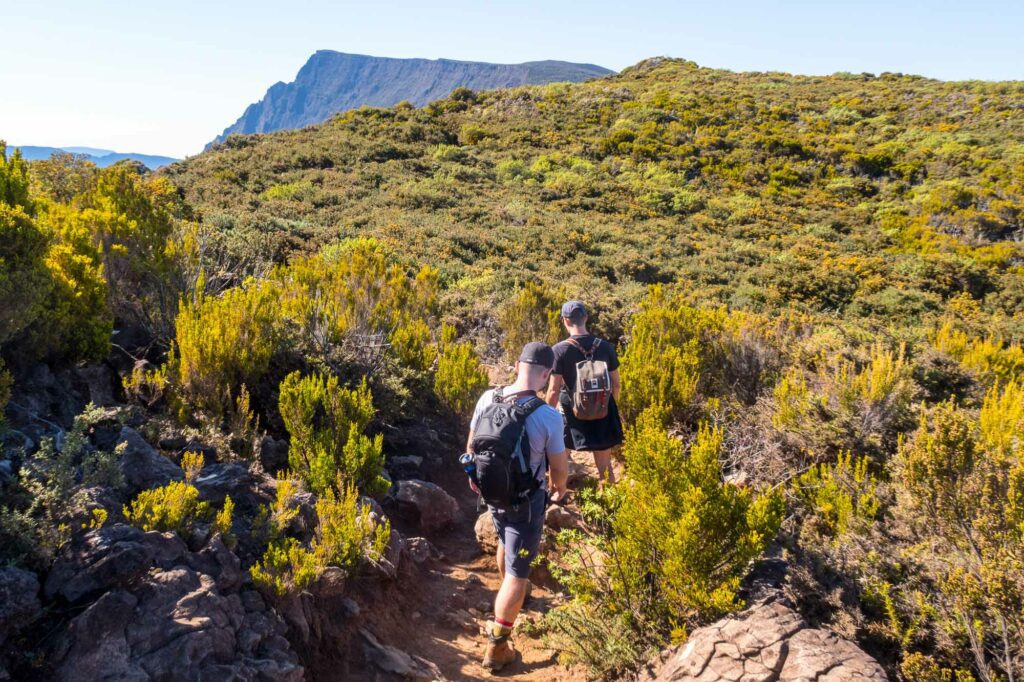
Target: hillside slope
877	199
331	82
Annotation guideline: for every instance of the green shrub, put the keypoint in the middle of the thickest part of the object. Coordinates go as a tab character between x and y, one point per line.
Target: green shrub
222	342
672	544
472	134
272	520
917	667
326	423
39	511
222	522
14	180
24	279
285	566
411	345
129	220
962	487
345	533
534	314
291	191
78	321
839	496
345	537
345	302
460	379
670	356
990	357
448	152
174	507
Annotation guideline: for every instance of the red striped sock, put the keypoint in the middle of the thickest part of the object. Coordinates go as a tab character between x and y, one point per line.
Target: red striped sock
503	623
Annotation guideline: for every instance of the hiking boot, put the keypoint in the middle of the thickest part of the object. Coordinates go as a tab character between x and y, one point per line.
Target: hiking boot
499	650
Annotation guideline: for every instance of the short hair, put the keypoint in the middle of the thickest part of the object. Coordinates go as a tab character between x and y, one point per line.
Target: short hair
532	369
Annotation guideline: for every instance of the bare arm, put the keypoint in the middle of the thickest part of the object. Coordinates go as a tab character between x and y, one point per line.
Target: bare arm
616	384
555	384
558	468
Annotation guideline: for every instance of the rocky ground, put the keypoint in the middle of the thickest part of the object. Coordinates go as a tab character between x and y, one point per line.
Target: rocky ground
123	604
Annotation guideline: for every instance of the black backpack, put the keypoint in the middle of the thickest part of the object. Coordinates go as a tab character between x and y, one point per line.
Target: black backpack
502	450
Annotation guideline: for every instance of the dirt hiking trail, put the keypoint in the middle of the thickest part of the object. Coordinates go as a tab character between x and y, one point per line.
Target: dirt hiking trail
441	618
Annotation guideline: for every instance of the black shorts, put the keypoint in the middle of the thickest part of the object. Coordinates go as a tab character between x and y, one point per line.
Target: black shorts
590	435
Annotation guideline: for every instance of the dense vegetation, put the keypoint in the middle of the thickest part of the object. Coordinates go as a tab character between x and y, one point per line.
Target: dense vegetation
815	284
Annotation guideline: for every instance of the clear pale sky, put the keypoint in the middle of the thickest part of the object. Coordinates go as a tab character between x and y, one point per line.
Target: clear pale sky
167	77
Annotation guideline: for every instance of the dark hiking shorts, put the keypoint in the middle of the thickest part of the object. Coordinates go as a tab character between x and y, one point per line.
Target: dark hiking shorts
520	532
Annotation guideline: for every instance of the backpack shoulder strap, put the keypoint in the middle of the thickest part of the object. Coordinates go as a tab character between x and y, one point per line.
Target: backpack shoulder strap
496	394
588	354
532	405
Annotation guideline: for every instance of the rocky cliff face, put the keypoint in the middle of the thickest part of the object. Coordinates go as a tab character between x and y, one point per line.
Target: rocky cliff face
334	81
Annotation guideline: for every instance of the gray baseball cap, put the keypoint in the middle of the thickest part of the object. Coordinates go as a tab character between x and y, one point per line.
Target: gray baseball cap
537	353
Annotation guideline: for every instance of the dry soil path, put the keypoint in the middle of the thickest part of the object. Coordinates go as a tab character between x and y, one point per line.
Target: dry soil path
443	615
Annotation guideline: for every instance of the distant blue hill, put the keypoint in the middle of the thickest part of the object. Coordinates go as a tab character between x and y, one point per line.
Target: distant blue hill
101	157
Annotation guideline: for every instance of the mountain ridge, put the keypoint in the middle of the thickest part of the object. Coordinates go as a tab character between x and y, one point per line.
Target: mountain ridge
109	158
331	82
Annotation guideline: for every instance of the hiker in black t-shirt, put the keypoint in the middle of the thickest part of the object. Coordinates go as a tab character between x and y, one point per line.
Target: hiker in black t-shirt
599	436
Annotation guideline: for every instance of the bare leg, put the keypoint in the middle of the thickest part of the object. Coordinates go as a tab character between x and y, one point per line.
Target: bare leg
501	560
603	460
510	598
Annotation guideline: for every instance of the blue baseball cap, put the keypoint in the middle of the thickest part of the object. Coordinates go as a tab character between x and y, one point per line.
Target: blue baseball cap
574	309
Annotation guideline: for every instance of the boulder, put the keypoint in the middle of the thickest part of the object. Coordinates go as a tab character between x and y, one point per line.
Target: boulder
273	454
428	502
823	656
216	481
216	560
486	536
395	663
168	548
176	624
405	466
19	600
100	560
209	452
143	467
559	518
766	643
94	646
175	442
421	549
97	382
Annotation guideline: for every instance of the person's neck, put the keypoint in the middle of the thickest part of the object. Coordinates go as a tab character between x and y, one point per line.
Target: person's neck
521	385
578	331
